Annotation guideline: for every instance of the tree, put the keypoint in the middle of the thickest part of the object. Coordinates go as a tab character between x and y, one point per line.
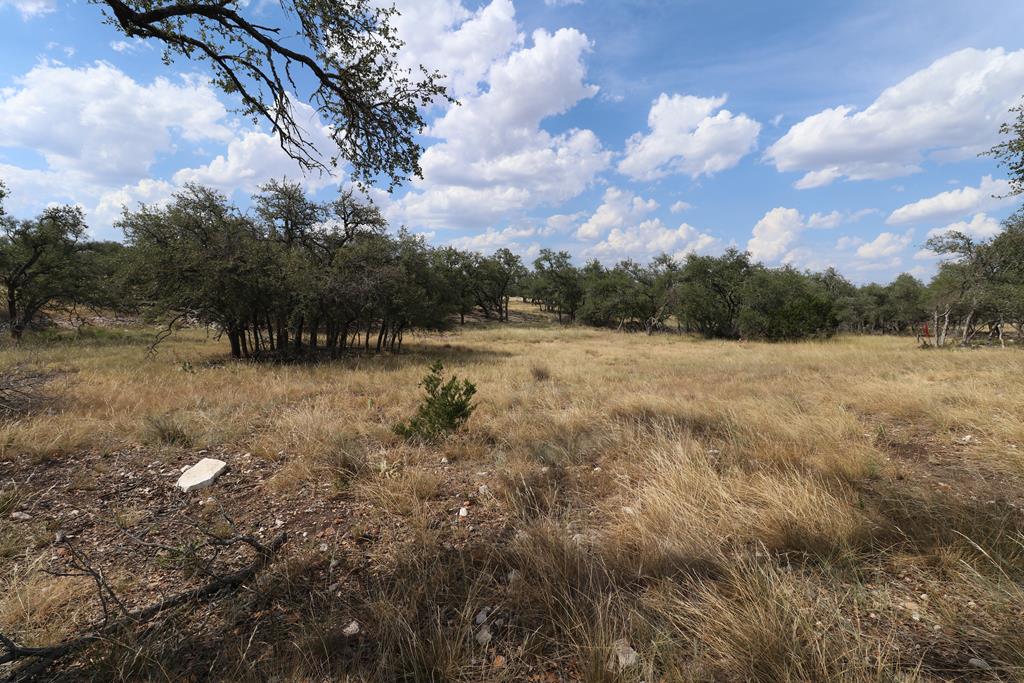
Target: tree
456	269
609	295
711	292
1010	152
557	283
347	50
783	304
906	305
39	262
200	257
494	279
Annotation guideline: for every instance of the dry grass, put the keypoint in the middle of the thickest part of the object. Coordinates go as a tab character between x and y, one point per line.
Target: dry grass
734	511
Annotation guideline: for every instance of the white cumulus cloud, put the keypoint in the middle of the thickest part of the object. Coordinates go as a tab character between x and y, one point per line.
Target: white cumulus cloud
688	135
650	238
990	194
886	244
98	125
472	40
494	159
618	208
981	226
29	9
947	111
777	230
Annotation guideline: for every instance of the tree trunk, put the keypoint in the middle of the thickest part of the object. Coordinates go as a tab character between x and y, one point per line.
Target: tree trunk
12	312
297	343
270	334
236	344
967	327
282	334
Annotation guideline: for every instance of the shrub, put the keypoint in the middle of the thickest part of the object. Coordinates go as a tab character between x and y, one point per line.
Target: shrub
446	407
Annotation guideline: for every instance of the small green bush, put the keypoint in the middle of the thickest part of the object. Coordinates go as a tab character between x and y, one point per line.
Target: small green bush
445	408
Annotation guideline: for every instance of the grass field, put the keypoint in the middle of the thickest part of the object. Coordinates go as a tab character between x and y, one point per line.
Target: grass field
848	509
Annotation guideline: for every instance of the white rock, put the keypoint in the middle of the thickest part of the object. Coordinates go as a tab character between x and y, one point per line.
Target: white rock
20	516
201	474
481	616
484	635
623	656
352	629
977	663
463	512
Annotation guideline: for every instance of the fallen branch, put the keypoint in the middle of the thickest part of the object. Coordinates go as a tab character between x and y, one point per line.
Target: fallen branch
47	655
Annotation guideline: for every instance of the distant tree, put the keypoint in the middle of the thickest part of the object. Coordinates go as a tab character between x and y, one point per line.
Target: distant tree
1007	276
346	49
712	292
557	283
494	281
981	283
608	295
848	306
783	304
39	262
200	257
906	304
456	269
961	288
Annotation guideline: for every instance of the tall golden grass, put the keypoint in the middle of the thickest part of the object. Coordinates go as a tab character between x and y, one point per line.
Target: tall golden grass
734	511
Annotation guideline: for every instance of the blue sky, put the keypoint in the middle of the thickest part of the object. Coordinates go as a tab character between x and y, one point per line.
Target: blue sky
816	134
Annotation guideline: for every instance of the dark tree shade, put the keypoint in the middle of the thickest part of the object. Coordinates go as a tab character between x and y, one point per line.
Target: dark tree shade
348	52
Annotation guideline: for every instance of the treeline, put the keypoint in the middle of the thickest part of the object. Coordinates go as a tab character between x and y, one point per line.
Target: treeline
290	276
979	288
294	276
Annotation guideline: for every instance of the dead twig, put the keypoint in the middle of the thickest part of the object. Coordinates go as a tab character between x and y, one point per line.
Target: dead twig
46	656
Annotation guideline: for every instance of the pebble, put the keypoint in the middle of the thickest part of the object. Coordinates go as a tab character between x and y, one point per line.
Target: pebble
352	629
20	516
977	663
463	512
484	635
481	616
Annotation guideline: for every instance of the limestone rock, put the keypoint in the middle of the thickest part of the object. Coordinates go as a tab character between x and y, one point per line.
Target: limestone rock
201	475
